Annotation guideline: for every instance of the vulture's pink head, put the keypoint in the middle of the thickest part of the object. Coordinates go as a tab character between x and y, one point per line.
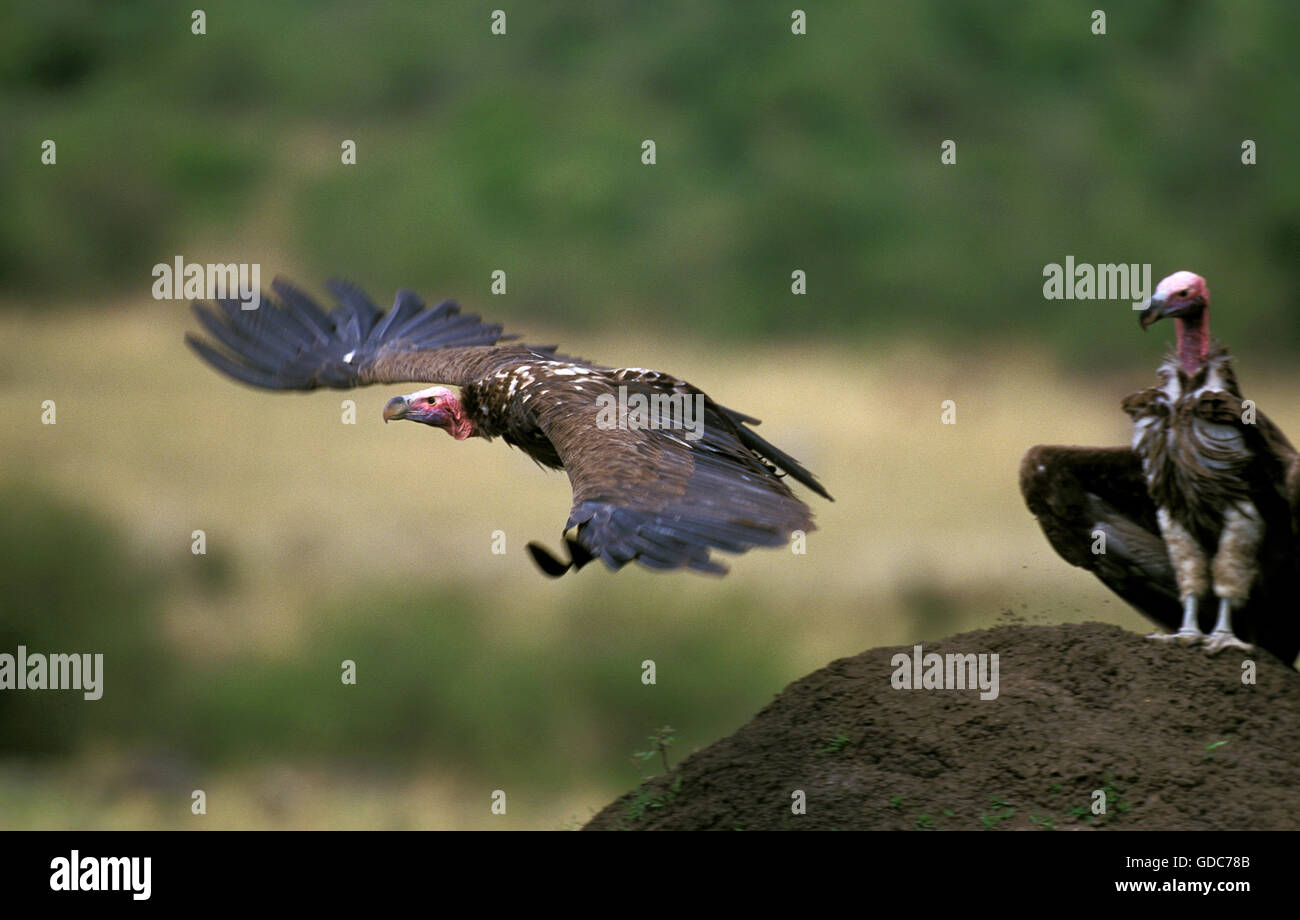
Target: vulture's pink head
436	406
1185	298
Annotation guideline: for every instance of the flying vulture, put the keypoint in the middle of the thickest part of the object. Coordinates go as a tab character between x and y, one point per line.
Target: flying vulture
661	474
1202	511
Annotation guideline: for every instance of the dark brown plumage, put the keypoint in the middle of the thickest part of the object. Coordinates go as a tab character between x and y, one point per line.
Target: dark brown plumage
1203	508
685	477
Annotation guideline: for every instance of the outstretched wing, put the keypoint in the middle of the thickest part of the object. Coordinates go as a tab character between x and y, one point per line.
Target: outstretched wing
290	343
1080	493
1077	493
658	496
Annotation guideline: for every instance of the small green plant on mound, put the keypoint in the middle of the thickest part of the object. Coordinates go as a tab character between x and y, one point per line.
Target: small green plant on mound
1211	748
835	745
660	742
1114	794
1081	813
999	811
1115	805
644	800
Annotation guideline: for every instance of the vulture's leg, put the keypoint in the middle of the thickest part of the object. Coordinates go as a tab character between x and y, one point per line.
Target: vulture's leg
1192	573
1236	567
1093	506
1189	633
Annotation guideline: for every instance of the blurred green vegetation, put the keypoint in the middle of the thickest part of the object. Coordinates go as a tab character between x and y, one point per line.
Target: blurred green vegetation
775	152
421	697
66	589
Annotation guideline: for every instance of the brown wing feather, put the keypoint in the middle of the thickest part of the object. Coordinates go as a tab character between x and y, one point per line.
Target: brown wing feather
658	497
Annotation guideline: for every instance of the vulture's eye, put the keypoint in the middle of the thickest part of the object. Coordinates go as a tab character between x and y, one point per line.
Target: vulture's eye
1183	292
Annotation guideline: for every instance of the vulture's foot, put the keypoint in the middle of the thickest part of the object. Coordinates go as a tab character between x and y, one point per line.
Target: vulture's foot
547	562
1222	636
1189	633
1182	637
1218	640
550	565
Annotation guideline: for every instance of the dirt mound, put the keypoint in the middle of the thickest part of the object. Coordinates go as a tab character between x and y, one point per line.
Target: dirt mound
1173	738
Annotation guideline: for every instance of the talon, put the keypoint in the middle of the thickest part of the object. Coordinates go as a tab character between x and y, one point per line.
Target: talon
1218	641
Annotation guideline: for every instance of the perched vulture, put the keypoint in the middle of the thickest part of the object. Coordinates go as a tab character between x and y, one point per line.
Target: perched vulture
661	474
1202	510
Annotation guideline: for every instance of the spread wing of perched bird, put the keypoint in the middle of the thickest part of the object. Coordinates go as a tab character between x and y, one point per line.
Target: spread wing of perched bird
661	474
1203	510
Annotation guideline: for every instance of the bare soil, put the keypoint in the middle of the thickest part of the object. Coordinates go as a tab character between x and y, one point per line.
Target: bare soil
1173	738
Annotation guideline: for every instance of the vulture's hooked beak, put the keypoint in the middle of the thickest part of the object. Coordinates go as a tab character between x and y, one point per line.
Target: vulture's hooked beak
396	408
1155	310
1161	307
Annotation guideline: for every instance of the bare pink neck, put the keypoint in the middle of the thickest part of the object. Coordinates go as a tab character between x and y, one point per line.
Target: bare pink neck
1193	341
462	426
